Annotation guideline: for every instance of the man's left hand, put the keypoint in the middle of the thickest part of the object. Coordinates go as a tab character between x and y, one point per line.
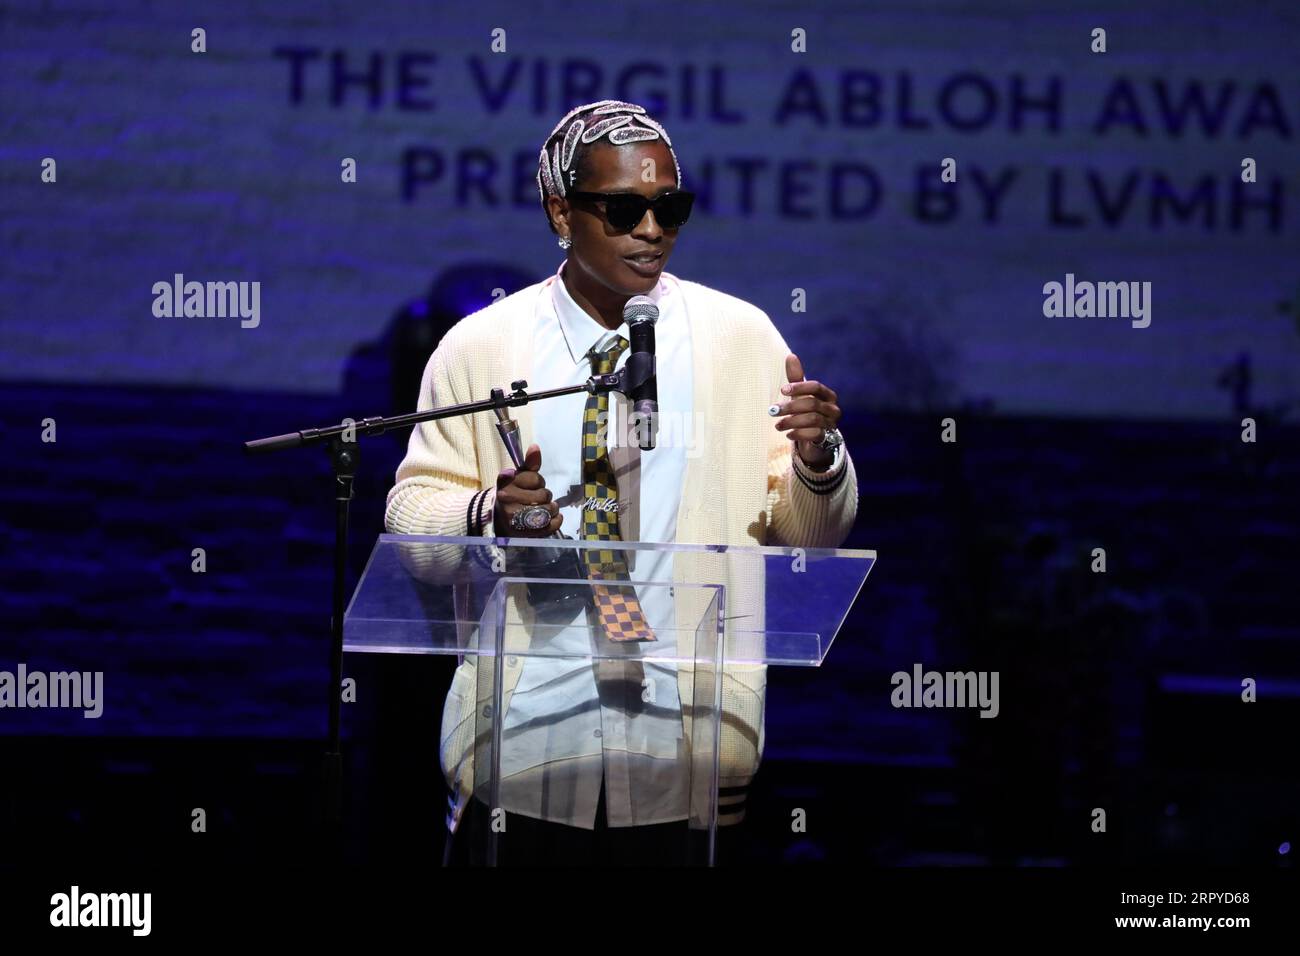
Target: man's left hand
808	411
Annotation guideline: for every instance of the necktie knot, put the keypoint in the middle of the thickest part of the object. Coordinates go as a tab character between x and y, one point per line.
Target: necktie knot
602	363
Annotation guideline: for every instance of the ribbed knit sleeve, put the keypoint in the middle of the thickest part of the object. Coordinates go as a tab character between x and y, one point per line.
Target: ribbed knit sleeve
806	509
438	480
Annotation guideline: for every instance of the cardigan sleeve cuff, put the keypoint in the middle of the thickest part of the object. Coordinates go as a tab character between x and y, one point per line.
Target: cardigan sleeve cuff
480	515
417	508
816	509
821	482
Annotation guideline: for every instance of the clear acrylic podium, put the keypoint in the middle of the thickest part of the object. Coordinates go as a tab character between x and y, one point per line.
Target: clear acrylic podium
543	705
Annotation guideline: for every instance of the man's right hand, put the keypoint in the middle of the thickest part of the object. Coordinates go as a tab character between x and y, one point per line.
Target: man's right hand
517	488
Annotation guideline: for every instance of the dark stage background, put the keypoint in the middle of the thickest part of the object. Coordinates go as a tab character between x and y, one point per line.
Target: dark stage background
818	171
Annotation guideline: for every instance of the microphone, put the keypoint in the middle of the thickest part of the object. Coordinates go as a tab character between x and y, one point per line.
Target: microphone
640	313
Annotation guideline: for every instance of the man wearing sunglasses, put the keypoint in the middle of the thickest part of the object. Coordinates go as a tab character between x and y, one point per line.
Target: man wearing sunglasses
749	454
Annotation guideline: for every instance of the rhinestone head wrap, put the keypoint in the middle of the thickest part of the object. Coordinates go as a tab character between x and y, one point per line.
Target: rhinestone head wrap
612	120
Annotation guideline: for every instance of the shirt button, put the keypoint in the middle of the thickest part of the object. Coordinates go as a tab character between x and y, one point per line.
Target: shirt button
599	734
512	661
487	711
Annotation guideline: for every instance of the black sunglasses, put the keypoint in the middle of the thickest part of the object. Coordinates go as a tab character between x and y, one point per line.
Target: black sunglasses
624	210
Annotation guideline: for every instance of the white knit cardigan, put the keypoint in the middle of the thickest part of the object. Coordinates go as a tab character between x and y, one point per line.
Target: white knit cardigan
742	489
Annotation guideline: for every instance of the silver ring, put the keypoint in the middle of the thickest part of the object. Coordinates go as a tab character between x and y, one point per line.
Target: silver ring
831	438
532	518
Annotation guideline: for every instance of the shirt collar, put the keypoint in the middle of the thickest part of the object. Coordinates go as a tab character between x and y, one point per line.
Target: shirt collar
581	332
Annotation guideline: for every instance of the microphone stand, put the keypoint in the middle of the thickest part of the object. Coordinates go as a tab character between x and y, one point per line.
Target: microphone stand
340	441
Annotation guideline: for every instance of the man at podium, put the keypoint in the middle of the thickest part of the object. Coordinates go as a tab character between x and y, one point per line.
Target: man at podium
747	452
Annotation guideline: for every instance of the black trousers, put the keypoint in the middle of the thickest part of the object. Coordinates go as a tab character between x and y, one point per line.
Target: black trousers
530	842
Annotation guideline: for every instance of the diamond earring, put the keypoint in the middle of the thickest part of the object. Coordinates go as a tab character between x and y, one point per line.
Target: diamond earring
564	242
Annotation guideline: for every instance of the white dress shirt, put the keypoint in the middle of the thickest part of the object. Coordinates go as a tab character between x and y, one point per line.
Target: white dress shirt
562	733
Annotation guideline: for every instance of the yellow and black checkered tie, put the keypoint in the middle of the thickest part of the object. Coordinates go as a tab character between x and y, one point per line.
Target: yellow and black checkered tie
617	606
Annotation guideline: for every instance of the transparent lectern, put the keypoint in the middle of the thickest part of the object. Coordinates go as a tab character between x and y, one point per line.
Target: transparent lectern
545	706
